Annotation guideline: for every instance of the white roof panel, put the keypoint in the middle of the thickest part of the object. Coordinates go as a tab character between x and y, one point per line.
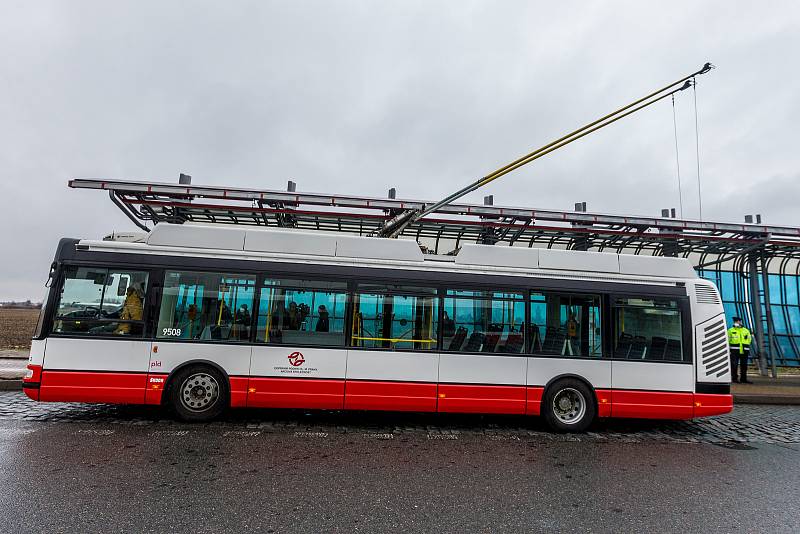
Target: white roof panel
196	236
497	255
377	248
291	242
656	266
573	260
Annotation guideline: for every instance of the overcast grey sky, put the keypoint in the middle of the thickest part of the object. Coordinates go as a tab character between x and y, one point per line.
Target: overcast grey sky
357	97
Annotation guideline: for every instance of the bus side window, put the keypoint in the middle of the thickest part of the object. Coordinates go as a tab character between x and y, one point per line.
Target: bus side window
302	312
565	325
648	329
483	321
395	317
206	306
97	301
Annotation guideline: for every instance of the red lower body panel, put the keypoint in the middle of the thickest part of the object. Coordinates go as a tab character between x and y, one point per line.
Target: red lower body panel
481	399
603	402
652	404
331	394
390	396
712	404
155	388
76	386
239	385
534	400
295	393
32	393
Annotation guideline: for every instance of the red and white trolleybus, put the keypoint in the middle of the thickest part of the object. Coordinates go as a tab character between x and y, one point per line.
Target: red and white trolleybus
202	318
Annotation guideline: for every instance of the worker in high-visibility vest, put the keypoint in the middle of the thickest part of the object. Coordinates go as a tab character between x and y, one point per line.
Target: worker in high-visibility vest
739	340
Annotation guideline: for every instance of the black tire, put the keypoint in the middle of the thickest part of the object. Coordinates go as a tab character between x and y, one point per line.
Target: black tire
198	393
569	406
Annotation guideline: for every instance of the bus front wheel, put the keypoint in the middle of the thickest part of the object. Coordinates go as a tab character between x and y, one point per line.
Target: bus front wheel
569	406
198	393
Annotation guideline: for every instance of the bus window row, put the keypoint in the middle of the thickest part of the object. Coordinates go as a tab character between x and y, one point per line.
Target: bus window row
219	307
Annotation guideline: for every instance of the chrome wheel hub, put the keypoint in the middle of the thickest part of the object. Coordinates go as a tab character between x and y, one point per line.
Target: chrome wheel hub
199	392
569	405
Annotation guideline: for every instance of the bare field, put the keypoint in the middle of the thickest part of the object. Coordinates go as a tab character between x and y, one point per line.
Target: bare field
16	328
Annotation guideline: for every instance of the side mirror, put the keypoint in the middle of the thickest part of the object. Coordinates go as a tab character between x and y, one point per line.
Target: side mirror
122	287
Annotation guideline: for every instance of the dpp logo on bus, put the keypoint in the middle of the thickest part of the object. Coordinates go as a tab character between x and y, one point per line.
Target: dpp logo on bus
296	359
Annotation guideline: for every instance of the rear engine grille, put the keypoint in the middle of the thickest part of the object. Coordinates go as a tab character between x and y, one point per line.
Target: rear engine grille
714	348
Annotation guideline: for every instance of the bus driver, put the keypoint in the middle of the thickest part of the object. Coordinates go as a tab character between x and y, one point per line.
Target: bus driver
131	311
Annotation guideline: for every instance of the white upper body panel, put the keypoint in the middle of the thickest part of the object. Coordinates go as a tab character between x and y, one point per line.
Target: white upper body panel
288	245
482	369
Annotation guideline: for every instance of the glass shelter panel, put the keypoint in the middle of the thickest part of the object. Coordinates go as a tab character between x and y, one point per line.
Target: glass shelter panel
483	321
648	329
565	325
784	289
302	312
101	302
206	306
393	317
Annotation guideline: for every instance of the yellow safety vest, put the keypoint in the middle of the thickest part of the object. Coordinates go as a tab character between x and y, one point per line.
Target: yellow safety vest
739	337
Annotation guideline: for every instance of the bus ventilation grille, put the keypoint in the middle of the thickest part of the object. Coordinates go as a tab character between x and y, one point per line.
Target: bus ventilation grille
706	295
714	348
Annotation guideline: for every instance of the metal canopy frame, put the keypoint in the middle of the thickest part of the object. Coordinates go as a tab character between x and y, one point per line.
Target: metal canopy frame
448	226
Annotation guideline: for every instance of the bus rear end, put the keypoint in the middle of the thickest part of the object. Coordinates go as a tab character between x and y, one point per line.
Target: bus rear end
712	361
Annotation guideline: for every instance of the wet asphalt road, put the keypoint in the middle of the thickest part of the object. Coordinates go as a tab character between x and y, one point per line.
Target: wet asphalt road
68	468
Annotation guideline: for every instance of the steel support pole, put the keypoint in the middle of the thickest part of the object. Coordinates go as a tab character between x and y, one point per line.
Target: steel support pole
771	348
755	308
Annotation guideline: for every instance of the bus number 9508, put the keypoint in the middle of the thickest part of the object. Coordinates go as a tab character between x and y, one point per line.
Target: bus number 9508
173	332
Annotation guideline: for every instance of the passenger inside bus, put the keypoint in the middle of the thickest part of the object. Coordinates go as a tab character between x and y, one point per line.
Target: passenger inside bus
307	315
206	306
565	325
323	321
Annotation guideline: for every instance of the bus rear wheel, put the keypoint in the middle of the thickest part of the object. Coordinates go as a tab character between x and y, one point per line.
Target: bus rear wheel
198	393
568	406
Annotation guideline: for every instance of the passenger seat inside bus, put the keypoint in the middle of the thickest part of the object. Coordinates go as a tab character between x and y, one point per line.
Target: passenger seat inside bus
673	352
490	342
513	344
631	347
474	342
553	341
638	349
658	348
458	339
